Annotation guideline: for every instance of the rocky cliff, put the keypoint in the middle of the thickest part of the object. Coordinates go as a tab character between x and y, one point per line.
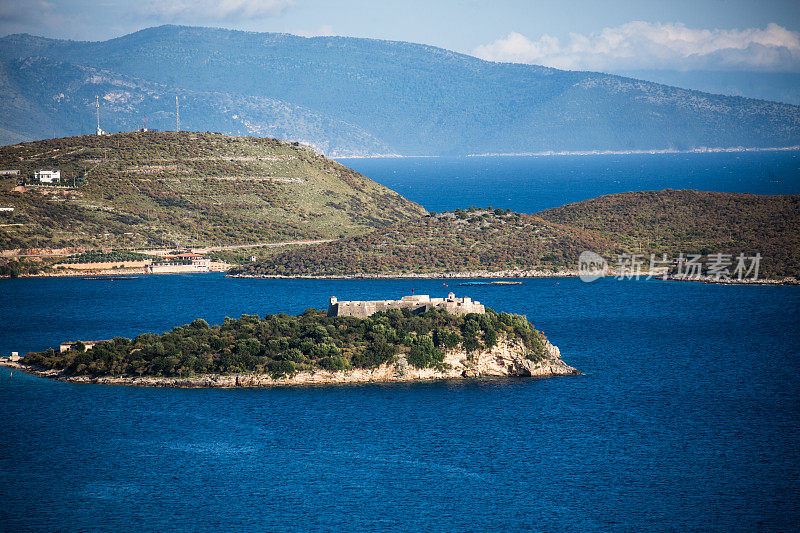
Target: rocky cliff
507	358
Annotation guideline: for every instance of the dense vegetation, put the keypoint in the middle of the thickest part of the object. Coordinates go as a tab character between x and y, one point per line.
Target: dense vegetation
99	256
167	189
671	221
350	96
282	345
474	239
662	222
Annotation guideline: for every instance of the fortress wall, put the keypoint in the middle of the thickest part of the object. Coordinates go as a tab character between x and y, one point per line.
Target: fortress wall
104	266
417	303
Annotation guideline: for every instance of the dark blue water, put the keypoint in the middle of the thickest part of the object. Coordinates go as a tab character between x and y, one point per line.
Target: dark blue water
686	419
530	184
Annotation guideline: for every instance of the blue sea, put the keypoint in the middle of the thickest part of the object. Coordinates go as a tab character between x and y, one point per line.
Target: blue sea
686	417
529	184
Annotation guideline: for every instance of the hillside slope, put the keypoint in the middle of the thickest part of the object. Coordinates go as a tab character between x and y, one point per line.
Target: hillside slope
654	222
675	221
447	242
187	188
397	97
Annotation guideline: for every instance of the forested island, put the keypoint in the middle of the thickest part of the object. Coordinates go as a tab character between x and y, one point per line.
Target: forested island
280	349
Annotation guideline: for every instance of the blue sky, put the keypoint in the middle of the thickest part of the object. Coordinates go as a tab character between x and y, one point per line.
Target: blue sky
599	35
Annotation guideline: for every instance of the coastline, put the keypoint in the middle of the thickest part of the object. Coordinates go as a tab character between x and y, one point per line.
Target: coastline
480	274
504	360
505	274
467	274
137	271
723	281
516	274
552	153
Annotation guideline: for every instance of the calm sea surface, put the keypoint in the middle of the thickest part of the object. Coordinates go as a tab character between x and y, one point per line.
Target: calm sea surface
686	417
530	184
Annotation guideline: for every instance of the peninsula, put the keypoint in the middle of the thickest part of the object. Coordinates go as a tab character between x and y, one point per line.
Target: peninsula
485	242
415	338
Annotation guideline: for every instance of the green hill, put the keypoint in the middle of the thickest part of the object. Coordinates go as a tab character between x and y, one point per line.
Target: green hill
447	242
669	221
675	221
144	189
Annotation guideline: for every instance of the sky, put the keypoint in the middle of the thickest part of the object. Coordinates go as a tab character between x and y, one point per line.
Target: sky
607	35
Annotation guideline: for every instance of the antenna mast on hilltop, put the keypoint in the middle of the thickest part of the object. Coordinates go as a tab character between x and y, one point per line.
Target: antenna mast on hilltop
97	107
177	115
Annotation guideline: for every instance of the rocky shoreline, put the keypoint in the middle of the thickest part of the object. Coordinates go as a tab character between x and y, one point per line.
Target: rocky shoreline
506	359
479	274
732	281
516	274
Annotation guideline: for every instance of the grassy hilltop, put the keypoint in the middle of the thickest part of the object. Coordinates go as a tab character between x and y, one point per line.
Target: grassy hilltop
658	222
153	188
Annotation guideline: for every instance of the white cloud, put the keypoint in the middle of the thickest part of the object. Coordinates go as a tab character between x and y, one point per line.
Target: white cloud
326	30
24	10
644	45
211	10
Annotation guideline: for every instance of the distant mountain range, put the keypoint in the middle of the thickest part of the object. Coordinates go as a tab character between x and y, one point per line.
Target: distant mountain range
348	96
775	86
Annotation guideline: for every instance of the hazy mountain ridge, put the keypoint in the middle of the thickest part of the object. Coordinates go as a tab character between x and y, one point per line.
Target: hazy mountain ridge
774	86
64	102
350	96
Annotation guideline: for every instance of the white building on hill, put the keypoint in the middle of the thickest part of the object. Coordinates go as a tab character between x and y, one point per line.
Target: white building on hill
48	176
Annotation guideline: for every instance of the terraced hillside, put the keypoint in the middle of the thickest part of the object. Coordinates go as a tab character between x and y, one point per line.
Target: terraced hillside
151	188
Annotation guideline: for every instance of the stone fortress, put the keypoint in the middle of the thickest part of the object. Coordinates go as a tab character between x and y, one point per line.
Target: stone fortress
416	303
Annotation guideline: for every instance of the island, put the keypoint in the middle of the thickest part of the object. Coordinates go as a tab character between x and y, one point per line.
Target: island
414	338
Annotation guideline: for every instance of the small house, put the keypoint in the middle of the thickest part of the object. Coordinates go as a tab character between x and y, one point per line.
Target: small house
48	176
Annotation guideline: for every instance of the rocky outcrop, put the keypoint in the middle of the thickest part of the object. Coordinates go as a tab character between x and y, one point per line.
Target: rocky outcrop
507	358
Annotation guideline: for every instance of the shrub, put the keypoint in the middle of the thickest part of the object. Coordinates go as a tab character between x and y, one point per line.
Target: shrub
424	354
281	368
